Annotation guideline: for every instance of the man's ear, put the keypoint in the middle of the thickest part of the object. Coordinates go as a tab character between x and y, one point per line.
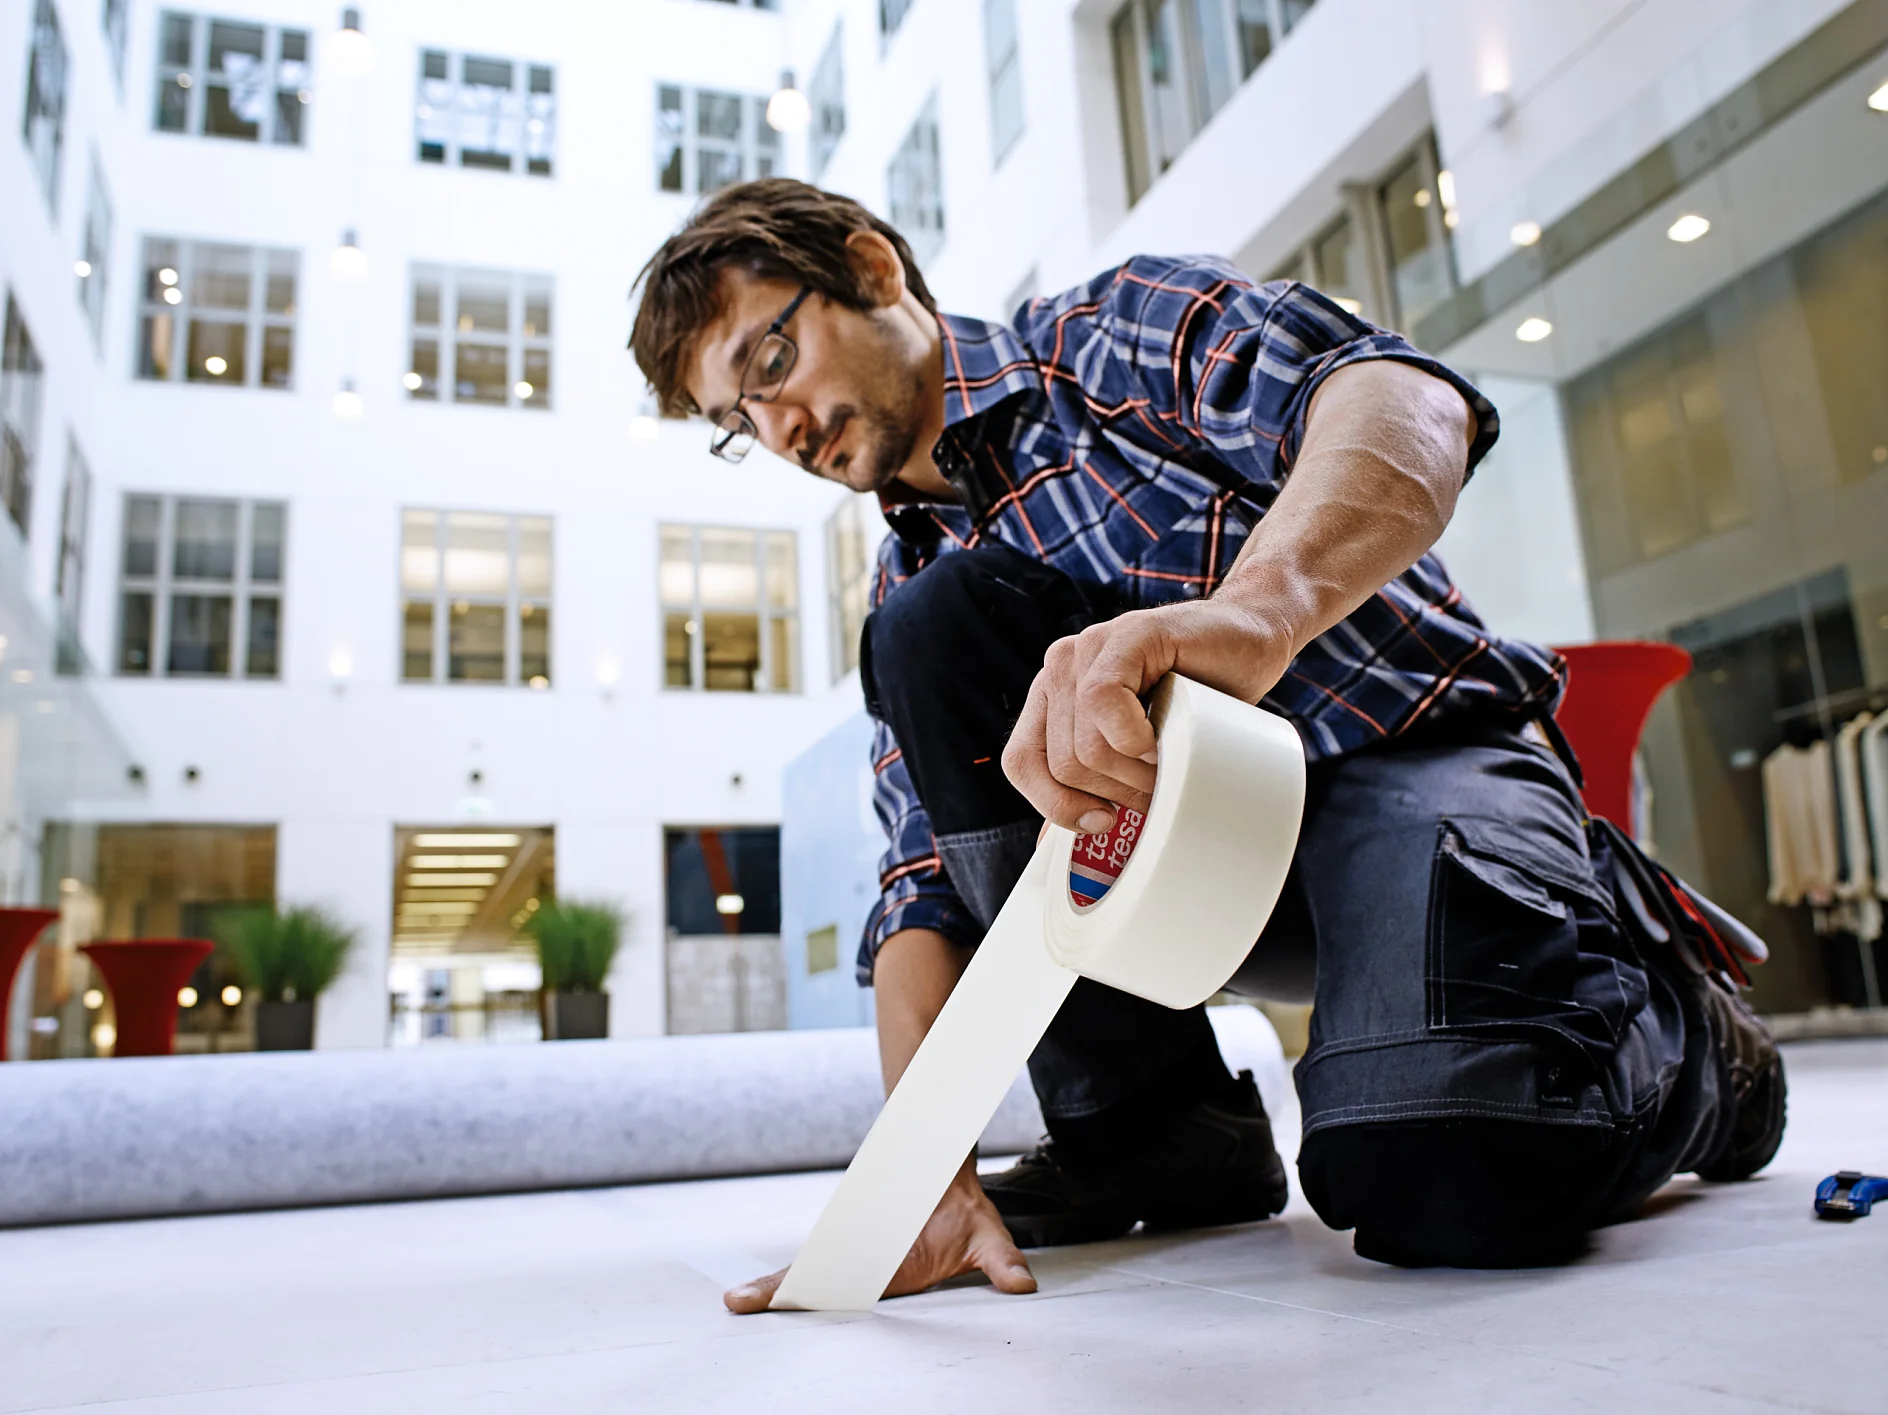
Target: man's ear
881	273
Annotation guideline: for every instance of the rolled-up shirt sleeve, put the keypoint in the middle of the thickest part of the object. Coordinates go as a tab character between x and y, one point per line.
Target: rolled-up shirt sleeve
914	890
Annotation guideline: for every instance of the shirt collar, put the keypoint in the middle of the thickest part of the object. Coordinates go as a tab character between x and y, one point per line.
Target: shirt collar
984	363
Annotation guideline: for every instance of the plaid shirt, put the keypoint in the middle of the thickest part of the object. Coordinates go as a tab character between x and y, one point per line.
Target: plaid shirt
1131	432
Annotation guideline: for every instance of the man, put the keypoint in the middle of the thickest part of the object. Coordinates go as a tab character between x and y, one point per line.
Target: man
1170	468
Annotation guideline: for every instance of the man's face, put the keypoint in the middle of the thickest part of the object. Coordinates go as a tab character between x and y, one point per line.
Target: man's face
852	407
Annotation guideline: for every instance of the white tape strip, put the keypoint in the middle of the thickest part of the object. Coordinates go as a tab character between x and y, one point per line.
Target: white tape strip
1189	902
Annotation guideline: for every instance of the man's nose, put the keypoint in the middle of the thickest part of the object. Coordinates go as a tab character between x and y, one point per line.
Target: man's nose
782	426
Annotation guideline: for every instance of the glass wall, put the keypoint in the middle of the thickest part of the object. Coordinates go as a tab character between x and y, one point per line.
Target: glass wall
726	971
1731	471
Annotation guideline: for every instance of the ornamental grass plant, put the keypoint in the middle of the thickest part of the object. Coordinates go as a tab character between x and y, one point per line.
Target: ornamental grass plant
291	955
577	942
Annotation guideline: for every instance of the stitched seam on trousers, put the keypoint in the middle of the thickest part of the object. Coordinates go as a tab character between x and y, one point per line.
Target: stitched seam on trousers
1382	1041
1442	1110
991	836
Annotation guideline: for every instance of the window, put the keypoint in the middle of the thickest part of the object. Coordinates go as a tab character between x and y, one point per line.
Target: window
1333	265
225	79
891	14
706	140
915	183
68	583
491	113
201	588
849	570
475	598
217	314
1418	212
95	254
480	336
1025	290
115	21
827	97
20	372
44	127
728	610
1003	61
1177	62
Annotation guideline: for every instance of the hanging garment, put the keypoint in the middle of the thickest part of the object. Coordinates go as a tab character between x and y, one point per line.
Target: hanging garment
1855	886
1874	754
1800	825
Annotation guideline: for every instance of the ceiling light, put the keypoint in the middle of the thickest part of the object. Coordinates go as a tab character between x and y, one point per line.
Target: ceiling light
216	365
82	268
173	296
167	276
348	403
523	388
1687	228
729	904
412	381
186	997
1878	100
93	999
1525	233
420	881
788	111
539	682
232	995
22	675
459	862
104	1035
1422	197
470	840
349	261
351	51
1445	188
1533	329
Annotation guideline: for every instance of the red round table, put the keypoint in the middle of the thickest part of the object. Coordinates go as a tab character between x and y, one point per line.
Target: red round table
19	930
1610	689
144	976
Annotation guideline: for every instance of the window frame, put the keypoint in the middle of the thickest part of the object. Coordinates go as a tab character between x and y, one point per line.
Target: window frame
1000	69
766	614
534	106
447	335
48	71
826	93
891	18
114	24
22	389
257	318
197	91
95	251
926	242
68	573
517	604
761	151
164	585
848	586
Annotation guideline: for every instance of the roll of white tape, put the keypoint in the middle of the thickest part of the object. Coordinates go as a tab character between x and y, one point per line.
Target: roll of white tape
1168	910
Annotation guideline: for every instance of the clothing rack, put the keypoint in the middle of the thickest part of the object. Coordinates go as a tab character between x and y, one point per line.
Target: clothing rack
1870	699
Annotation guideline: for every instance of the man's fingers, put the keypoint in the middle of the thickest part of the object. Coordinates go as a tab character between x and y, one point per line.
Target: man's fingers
1026	763
1004	1264
751	1297
1109	693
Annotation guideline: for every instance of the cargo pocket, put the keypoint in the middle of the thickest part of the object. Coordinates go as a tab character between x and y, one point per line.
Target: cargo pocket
1506	922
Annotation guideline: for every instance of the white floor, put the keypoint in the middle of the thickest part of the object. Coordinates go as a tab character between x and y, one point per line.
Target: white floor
1724	1299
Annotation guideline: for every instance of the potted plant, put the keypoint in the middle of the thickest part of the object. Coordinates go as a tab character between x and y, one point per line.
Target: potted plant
288	959
576	944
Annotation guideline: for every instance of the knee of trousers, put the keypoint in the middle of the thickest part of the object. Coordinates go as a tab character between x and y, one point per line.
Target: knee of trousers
1460	1193
965	615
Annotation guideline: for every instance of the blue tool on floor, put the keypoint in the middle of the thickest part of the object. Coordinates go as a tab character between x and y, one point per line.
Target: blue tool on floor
1849	1194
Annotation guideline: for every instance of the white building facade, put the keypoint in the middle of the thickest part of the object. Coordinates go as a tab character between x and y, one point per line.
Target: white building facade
372	550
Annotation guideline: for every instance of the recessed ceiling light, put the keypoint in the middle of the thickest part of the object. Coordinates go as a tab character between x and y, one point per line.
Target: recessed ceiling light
469	840
1878	100
1525	233
412	381
1533	329
421	881
1688	228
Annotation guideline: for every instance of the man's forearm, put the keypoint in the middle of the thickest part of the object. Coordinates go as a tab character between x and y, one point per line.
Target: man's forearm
1384	455
913	977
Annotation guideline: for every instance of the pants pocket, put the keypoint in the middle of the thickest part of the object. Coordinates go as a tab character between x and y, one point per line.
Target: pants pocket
1518	941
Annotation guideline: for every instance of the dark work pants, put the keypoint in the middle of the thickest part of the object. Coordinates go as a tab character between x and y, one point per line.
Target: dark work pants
1492	1070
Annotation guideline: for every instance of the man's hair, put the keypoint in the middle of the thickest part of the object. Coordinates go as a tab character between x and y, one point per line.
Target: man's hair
775	229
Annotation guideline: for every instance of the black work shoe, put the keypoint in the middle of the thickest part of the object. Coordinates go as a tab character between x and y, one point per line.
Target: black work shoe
1212	1163
1754	1073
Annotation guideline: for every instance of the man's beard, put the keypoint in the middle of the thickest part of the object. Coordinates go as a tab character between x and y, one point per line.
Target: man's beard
883	443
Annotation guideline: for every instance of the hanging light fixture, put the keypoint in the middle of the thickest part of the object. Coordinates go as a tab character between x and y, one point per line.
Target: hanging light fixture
348	403
352	53
788	111
349	261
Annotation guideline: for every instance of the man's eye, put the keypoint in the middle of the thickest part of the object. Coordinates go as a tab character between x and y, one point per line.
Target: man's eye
773	366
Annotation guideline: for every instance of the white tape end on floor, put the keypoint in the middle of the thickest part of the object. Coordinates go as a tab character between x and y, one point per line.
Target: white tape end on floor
1174	913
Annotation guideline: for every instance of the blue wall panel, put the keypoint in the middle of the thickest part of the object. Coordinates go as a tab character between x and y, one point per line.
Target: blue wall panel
830	843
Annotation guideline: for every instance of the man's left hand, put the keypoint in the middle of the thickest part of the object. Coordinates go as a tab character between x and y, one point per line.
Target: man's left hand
1084	744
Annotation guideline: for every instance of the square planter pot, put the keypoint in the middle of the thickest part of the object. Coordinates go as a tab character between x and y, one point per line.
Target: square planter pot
285	1026
576	1016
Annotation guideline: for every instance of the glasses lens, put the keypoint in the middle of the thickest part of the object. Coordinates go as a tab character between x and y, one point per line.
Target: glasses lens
734	436
767	370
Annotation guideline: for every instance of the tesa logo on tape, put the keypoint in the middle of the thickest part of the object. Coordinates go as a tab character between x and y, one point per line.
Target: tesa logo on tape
1097	860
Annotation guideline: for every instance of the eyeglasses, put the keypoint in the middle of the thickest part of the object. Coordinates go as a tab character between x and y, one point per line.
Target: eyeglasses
761	381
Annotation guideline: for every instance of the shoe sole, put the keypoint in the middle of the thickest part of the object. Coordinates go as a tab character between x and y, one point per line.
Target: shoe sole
1059	1230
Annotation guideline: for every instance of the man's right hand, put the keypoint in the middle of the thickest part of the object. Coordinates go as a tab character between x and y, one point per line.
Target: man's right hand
964	1234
